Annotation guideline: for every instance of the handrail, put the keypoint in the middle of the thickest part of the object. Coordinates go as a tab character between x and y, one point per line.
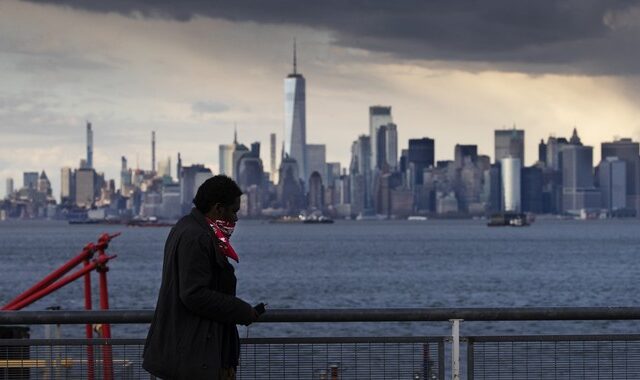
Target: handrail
343	315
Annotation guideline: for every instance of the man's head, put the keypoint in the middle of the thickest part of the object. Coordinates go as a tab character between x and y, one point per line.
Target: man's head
219	198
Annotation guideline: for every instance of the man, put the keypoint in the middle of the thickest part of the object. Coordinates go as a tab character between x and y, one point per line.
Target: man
193	333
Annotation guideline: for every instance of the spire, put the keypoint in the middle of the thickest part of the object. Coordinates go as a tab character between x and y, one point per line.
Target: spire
235	134
295	63
575	139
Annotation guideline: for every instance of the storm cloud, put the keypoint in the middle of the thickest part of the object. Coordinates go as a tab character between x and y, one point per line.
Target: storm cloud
568	36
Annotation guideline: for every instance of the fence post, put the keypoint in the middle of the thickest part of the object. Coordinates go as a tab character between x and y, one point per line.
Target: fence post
455	349
470	363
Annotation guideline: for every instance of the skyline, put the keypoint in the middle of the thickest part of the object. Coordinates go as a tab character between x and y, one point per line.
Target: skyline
73	65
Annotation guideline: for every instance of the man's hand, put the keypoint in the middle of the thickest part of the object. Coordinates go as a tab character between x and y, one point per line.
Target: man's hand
254	317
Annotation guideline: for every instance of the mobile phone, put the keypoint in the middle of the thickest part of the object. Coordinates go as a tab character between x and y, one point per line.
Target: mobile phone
260	308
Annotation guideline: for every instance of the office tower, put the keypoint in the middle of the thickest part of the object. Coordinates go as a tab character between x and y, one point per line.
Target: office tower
226	159
273	164
493	188
316	159
295	127
612	173
333	171
511	183
465	152
225	163
554	145
191	178
386	155
153	151
542	152
380	156
85	187
250	169
9	188
532	182
578	191
179	167
164	168
30	180
509	143
316	191
44	185
627	150
378	116
391	147
420	157
289	189
125	175
239	150
361	166
89	163
67	185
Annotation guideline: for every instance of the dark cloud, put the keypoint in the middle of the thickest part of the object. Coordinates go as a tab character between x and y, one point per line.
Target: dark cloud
581	36
209	107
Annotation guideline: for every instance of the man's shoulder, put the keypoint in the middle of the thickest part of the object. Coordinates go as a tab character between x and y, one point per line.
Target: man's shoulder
189	228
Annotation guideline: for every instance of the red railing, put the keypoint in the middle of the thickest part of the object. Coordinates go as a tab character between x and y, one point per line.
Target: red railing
55	281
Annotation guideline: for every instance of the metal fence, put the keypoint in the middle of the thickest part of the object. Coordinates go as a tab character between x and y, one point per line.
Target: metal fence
261	358
553	357
410	357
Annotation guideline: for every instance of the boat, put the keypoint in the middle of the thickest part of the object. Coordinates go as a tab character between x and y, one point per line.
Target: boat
417	218
513	219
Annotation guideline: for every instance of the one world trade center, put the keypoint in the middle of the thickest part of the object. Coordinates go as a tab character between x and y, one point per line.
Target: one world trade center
295	124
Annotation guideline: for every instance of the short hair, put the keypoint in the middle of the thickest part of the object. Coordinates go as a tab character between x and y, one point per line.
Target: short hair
217	189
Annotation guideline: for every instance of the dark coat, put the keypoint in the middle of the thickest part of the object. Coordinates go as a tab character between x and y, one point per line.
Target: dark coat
193	332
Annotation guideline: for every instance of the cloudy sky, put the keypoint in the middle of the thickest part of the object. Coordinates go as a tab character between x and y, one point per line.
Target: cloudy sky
191	70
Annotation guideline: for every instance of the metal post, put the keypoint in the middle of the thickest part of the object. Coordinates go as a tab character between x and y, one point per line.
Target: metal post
104	305
470	358
88	326
455	349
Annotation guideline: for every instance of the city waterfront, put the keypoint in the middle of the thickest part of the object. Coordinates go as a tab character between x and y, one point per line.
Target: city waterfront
385	264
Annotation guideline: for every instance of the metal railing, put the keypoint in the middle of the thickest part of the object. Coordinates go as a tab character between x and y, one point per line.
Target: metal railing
407	357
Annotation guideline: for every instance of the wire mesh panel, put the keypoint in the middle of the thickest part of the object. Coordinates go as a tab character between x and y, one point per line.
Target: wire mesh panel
342	358
71	359
554	357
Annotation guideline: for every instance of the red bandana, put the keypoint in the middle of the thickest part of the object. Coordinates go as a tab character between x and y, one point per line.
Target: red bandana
222	231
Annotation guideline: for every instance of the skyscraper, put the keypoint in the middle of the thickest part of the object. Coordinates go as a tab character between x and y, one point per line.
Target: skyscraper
89	163
273	164
191	178
9	189
360	170
613	183
125	175
509	143
627	151
179	167
316	160
30	180
421	156
295	124
225	162
153	151
85	187
67	186
511	183
378	116
578	191
391	146
462	152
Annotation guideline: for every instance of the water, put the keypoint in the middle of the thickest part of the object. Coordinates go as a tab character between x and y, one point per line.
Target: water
458	263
